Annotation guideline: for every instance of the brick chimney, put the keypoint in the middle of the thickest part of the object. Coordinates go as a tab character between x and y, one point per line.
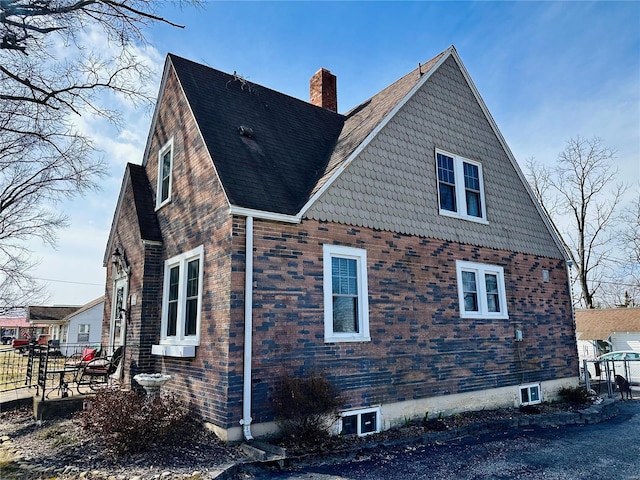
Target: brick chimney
323	92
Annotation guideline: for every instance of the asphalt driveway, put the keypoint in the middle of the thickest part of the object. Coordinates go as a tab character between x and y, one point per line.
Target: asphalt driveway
608	450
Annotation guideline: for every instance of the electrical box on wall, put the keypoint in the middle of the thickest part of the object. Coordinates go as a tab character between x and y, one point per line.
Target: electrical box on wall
545	276
518	335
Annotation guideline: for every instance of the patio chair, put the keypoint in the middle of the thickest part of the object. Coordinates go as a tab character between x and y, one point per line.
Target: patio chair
80	359
96	373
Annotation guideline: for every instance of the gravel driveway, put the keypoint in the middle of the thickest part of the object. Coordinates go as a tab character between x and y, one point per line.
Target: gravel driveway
607	450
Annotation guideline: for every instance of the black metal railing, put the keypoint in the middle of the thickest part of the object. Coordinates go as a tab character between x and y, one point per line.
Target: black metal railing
43	366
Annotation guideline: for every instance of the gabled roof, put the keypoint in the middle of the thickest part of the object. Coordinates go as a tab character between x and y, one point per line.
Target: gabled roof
85	307
599	324
363	120
143	198
40	314
143	204
294	151
276	167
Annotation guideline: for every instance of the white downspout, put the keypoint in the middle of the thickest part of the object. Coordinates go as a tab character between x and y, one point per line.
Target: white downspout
248	330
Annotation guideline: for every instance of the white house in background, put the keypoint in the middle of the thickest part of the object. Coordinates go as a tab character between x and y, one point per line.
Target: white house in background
83	327
50	320
607	330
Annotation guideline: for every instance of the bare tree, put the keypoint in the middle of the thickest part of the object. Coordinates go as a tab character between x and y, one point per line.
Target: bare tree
580	196
52	70
629	241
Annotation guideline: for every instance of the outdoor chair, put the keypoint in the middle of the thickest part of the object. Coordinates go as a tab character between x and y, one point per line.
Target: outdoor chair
78	360
96	373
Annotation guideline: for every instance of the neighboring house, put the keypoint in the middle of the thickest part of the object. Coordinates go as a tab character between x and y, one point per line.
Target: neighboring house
83	327
52	318
605	330
15	325
396	249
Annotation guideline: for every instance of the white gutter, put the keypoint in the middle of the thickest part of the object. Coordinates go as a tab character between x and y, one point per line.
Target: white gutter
248	330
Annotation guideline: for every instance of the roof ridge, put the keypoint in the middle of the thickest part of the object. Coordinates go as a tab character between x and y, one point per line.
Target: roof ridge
235	75
428	65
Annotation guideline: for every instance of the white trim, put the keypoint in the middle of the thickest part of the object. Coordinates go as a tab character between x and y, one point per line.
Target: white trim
360	255
182	260
358	414
167	147
529	388
480	269
180	351
375	132
122	281
460	188
248	331
263	215
507	150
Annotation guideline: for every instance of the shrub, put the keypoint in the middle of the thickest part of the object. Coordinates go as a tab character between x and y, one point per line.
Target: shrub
574	394
128	422
305	408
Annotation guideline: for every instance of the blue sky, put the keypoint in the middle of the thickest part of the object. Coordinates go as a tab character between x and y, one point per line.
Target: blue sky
548	71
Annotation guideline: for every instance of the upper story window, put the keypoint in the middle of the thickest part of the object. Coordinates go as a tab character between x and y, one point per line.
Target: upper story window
481	290
165	167
460	187
346	299
182	298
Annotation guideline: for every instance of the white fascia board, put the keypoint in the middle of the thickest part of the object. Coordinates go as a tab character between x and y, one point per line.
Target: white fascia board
375	132
276	217
512	158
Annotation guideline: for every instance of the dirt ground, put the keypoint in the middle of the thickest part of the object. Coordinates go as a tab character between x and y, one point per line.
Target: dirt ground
67	452
61	449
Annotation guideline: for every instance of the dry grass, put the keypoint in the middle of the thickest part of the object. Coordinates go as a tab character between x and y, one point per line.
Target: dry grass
13	369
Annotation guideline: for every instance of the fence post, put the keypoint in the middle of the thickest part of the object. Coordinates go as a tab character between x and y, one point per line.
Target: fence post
587	380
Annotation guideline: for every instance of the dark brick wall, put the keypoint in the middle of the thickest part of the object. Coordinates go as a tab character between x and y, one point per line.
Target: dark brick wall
420	347
196	215
127	240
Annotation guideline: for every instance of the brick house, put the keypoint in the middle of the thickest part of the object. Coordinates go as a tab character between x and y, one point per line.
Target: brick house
396	249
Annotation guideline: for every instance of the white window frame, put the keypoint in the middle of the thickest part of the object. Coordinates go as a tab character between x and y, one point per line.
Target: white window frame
358	413
182	261
528	388
461	201
360	255
81	332
167	147
480	269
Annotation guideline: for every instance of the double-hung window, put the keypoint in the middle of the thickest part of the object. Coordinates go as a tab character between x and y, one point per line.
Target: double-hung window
83	332
346	303
182	298
481	290
165	168
460	187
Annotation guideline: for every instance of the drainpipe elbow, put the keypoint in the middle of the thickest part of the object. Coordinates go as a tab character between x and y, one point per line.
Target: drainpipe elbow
246	429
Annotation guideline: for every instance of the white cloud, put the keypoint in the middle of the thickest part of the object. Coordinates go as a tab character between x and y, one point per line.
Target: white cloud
73	271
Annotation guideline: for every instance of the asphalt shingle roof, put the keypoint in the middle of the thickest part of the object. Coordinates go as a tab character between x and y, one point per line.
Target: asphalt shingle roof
277	167
599	324
145	208
295	146
49	314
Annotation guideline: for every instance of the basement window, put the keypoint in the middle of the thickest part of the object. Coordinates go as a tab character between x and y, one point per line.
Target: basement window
530	394
360	422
